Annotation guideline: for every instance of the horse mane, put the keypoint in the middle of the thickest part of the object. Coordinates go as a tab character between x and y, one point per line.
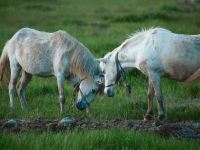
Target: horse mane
82	62
135	38
144	31
140	33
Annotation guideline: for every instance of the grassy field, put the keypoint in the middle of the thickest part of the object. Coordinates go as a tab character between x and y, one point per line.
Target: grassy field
101	25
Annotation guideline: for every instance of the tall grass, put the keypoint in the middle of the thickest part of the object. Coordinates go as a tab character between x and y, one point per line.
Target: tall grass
89	140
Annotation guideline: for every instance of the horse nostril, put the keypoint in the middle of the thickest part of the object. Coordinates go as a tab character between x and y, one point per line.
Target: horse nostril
81	105
110	93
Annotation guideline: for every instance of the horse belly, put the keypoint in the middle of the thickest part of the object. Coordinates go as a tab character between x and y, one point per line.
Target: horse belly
181	68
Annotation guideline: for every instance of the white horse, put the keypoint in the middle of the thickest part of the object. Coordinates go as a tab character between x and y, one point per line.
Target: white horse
50	54
156	52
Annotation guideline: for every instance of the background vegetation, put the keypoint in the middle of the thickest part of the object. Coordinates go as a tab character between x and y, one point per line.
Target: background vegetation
101	25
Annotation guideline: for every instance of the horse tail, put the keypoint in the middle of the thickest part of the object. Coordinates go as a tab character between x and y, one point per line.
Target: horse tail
194	76
4	64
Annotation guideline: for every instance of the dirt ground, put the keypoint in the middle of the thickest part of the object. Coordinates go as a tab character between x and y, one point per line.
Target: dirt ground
180	130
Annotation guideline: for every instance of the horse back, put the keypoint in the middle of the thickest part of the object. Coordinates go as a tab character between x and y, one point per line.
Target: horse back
35	50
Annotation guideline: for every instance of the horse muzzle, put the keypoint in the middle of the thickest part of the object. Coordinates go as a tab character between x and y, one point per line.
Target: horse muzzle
81	105
109	92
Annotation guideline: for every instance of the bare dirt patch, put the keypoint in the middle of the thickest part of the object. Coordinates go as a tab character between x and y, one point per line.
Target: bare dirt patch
189	130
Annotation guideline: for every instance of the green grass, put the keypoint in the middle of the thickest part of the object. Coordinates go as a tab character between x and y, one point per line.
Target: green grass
101	25
87	139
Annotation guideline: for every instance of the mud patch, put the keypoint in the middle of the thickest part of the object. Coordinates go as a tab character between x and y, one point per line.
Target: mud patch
179	130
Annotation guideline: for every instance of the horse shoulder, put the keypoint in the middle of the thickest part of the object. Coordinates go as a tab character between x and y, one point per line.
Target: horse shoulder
149	57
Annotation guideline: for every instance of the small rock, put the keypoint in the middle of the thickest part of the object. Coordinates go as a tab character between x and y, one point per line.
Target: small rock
66	121
51	125
11	123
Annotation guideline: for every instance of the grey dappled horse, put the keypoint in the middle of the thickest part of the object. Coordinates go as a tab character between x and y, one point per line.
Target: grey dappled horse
50	54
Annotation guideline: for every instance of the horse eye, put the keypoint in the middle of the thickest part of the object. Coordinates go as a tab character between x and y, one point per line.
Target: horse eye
102	75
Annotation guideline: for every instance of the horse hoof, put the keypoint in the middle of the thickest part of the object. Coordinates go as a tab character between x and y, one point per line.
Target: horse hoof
148	117
157	123
161	117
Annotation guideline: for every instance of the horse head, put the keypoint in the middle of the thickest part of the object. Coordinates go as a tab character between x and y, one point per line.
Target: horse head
113	73
87	90
109	70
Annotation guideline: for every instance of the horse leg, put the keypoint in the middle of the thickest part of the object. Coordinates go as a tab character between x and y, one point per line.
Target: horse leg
158	93
89	112
60	83
12	84
24	80
151	93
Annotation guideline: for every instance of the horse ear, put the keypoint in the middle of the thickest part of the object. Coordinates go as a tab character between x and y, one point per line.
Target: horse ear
102	60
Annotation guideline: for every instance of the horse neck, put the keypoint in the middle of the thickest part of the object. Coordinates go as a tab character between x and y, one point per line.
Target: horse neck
125	57
83	64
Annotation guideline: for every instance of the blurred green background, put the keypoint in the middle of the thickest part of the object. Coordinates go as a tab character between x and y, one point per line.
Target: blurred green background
101	26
